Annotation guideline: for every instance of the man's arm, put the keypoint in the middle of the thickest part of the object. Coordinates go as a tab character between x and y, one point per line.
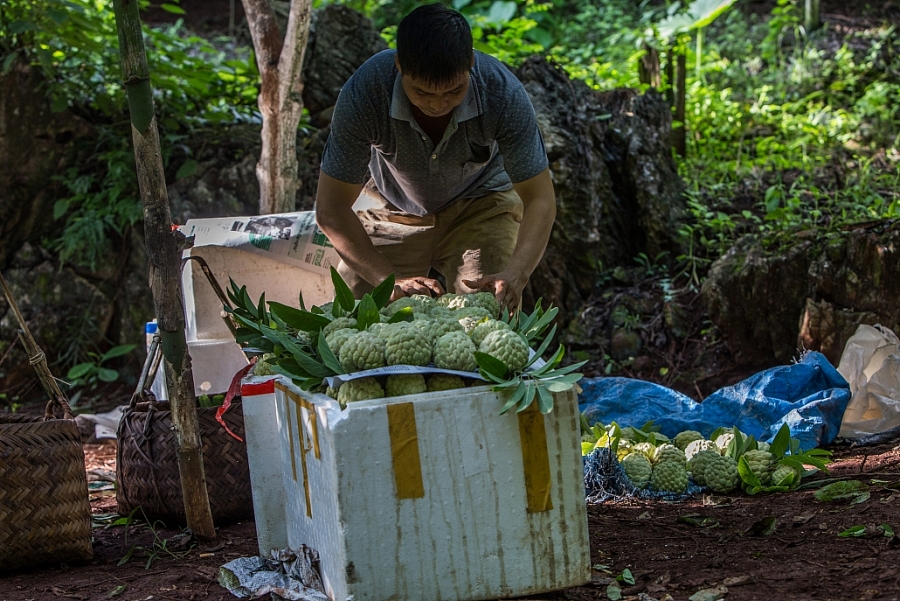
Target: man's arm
539	202
335	215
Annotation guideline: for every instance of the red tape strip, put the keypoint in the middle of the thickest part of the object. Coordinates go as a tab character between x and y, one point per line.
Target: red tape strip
234	389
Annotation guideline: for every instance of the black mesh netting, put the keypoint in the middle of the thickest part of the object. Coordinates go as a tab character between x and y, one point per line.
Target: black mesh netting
605	480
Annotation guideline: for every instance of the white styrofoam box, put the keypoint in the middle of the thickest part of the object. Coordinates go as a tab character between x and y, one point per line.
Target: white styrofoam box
264	457
282	282
434	497
284	262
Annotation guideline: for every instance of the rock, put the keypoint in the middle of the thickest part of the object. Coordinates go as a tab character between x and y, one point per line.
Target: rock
617	188
811	294
625	344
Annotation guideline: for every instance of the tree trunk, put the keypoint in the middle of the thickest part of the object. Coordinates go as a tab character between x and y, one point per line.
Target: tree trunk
280	101
648	68
679	132
164	246
812	19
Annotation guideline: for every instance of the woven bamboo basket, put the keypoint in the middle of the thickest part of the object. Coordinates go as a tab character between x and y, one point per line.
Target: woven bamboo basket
147	464
45	511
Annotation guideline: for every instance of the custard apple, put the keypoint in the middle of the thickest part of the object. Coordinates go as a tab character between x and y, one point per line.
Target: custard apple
721	474
683	439
647	449
470	323
360	389
486	327
625	447
785	475
669	476
340	323
407	345
696	446
762	464
697	464
478	313
336	339
762	446
637	468
401	384
455	350
439	311
263	367
669	452
379	329
451	301
444	325
438	382
506	346
331	392
488	301
363	350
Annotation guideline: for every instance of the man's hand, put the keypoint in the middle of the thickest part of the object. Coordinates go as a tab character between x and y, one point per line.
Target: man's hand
416	285
506	286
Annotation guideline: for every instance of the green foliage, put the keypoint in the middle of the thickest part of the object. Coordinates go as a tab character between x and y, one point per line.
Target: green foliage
91	373
197	82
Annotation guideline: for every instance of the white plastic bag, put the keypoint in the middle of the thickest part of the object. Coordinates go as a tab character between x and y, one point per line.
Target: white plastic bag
871	364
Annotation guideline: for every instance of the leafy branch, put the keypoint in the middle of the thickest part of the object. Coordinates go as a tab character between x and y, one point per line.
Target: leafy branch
530	382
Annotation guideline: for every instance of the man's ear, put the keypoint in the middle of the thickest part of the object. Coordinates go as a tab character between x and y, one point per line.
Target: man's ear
397	63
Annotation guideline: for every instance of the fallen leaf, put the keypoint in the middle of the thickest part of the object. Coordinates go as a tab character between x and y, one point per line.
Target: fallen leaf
645	516
709	594
799	520
614	592
700	521
763	527
737	580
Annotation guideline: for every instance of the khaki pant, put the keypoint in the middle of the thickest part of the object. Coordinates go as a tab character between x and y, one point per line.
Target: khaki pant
470	238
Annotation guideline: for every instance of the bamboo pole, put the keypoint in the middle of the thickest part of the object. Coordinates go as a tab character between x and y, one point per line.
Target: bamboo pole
164	246
37	358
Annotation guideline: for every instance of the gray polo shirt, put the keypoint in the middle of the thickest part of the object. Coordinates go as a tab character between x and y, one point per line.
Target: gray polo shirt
492	139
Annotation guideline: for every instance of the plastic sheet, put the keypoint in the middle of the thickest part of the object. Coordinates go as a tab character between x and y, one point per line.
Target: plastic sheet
871	364
810	396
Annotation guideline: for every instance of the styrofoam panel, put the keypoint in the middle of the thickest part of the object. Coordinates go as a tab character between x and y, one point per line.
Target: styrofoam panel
264	459
280	281
470	536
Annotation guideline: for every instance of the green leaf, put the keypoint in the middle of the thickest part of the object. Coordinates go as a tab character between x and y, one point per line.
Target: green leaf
853	531
781	442
17	27
746	474
104	374
342	294
614	592
383	291
79	371
172	8
887	530
530	393
328	357
404	314
541	349
545	398
515	397
626	576
491	365
367	312
763	527
297	318
188	168
117	351
844	490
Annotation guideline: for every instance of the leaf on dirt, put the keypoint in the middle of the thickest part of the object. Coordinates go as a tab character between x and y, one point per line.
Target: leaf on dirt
614	592
117	591
860	498
737	580
799	520
700	521
645	516
601	568
853	531
847	490
626	576
709	594
763	527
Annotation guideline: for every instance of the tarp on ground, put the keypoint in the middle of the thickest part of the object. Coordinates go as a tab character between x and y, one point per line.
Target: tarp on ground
810	396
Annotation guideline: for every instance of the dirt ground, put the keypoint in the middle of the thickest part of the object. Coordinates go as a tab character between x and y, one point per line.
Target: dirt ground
709	546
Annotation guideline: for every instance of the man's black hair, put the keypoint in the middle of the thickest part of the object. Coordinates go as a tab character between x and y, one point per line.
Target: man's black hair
434	44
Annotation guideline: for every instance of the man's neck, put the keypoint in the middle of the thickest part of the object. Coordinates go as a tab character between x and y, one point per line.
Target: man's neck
433	126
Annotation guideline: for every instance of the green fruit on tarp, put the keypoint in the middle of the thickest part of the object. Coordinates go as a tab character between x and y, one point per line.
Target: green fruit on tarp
683	439
638	469
669	476
721	474
697	464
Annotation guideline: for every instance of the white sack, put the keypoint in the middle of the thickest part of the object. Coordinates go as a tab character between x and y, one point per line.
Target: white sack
871	364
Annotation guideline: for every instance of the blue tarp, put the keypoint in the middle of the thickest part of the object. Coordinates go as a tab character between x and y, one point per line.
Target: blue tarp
809	396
